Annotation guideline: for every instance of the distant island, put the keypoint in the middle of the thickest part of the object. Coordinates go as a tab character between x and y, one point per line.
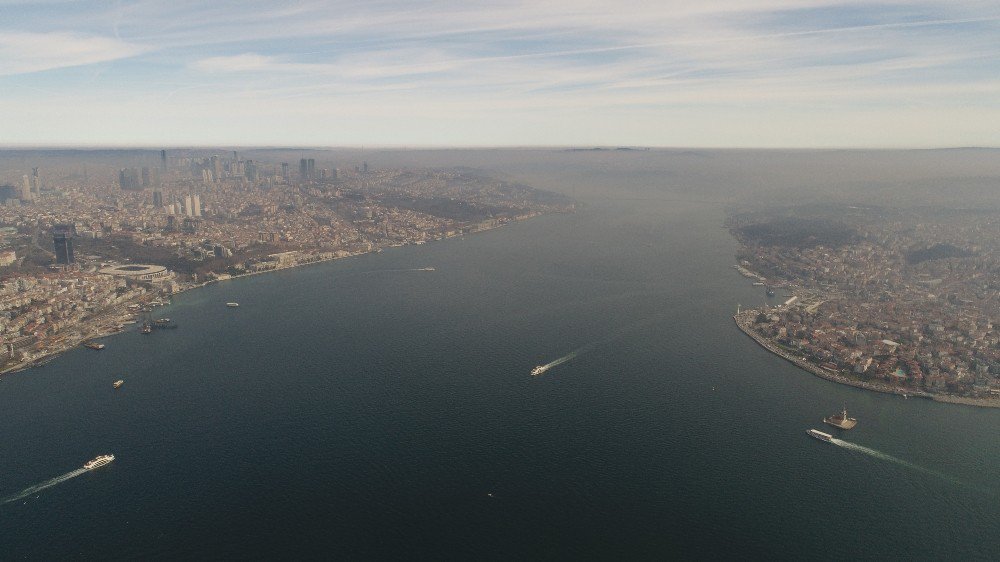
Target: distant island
900	300
88	247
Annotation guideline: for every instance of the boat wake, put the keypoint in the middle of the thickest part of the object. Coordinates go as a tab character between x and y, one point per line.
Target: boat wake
886	457
568	357
590	346
47	484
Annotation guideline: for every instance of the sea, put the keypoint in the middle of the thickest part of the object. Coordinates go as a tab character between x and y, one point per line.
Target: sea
371	409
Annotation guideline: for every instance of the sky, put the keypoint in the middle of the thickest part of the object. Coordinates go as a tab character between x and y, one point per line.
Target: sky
693	73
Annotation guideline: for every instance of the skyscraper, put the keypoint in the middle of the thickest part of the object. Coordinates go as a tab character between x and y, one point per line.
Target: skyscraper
163	160
251	170
129	179
157	198
196	203
188	206
62	239
284	171
25	188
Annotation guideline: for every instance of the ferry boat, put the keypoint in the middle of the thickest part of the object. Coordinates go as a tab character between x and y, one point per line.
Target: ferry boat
538	370
91	345
820	435
99	462
118	383
232	304
841	420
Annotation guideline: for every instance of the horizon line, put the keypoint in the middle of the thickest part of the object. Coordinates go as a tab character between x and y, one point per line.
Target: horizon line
414	147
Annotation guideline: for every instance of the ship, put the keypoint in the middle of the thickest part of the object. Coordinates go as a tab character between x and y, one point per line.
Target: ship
820	435
147	328
99	462
841	420
539	370
232	304
118	383
92	345
164	324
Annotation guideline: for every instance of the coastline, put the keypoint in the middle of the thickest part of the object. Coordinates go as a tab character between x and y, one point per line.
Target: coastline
744	321
127	318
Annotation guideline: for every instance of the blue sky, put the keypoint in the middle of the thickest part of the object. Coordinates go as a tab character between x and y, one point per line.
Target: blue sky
707	73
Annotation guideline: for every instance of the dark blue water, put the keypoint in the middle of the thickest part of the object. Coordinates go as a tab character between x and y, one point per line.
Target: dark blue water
357	410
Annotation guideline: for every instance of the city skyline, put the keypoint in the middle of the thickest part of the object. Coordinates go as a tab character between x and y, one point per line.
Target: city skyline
720	74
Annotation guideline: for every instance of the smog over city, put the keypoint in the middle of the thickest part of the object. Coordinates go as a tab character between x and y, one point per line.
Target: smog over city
503	280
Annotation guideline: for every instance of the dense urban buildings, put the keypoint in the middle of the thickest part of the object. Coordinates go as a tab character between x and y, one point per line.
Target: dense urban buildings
200	217
903	300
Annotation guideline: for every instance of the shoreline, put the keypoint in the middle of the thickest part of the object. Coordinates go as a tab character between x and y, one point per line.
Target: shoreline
743	322
127	318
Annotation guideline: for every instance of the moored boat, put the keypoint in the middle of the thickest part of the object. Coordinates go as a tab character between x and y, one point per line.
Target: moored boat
92	345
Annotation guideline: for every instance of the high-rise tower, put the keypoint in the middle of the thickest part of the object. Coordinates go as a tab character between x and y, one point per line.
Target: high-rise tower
62	239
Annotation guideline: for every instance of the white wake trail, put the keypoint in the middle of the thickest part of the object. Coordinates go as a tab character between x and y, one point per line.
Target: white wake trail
537	371
585	349
892	459
47	484
561	360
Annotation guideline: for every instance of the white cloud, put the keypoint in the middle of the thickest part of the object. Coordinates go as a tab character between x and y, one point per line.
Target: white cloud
548	69
247	62
22	52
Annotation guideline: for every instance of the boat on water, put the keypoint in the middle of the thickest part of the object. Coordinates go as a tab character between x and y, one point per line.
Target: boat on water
820	435
99	462
118	383
539	370
92	345
427	269
840	420
232	304
147	328
164	324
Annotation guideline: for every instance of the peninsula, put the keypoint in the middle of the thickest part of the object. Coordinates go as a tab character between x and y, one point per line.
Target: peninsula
900	300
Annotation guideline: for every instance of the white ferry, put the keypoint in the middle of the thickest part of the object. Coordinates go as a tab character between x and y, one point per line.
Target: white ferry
820	435
232	304
538	370
99	462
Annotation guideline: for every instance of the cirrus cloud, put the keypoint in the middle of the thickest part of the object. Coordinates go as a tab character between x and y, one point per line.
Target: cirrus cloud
24	52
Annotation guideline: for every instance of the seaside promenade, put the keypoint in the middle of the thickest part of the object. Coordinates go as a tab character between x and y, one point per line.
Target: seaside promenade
745	319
